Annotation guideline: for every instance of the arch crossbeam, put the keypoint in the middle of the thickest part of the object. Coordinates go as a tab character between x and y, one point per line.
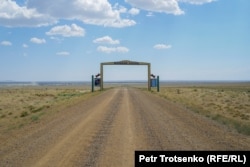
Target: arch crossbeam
124	62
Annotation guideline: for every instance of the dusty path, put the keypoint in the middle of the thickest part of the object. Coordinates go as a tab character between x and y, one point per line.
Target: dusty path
106	130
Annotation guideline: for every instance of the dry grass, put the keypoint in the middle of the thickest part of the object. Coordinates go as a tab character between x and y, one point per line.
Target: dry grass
22	105
228	104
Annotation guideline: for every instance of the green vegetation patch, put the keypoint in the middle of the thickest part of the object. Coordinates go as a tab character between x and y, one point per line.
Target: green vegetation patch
35	117
243	128
69	95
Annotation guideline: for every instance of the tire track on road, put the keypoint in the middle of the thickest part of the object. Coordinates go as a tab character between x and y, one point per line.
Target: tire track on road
123	138
70	148
96	147
144	115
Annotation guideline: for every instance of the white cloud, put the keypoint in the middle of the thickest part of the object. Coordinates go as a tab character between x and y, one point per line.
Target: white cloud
37	40
122	49
162	46
97	12
119	23
105	49
57	39
63	53
109	40
150	14
134	11
11	14
44	12
6	43
106	40
166	6
197	2
67	31
120	8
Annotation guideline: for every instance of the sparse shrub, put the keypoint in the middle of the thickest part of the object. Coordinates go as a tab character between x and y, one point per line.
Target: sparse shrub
242	128
34	117
31	108
24	114
37	110
244	117
34	110
178	91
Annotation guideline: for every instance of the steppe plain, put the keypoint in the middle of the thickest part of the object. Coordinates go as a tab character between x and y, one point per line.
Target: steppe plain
21	105
71	126
225	102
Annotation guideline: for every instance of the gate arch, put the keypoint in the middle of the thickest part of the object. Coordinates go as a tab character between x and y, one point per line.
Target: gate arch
124	62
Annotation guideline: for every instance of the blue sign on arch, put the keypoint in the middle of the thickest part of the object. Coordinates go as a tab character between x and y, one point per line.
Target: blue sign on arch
153	82
97	81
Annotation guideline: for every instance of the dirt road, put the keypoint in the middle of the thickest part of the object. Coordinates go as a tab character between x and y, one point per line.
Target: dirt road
106	130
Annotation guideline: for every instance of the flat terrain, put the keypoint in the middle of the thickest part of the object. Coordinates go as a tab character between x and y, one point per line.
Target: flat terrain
106	129
20	105
227	103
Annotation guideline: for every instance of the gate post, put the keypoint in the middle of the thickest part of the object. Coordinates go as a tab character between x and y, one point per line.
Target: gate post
149	79
101	75
92	84
158	83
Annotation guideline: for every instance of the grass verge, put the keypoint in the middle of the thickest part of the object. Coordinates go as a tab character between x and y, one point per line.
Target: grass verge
24	105
226	104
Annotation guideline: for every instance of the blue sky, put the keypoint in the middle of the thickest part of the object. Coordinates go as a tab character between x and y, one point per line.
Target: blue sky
67	40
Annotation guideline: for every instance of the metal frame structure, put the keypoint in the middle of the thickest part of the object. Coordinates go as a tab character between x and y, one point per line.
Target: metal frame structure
124	62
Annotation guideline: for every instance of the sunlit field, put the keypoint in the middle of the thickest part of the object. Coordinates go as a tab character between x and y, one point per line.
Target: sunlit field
22	105
227	103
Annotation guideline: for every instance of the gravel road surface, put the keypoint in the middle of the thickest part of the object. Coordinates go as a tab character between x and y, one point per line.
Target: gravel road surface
106	129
